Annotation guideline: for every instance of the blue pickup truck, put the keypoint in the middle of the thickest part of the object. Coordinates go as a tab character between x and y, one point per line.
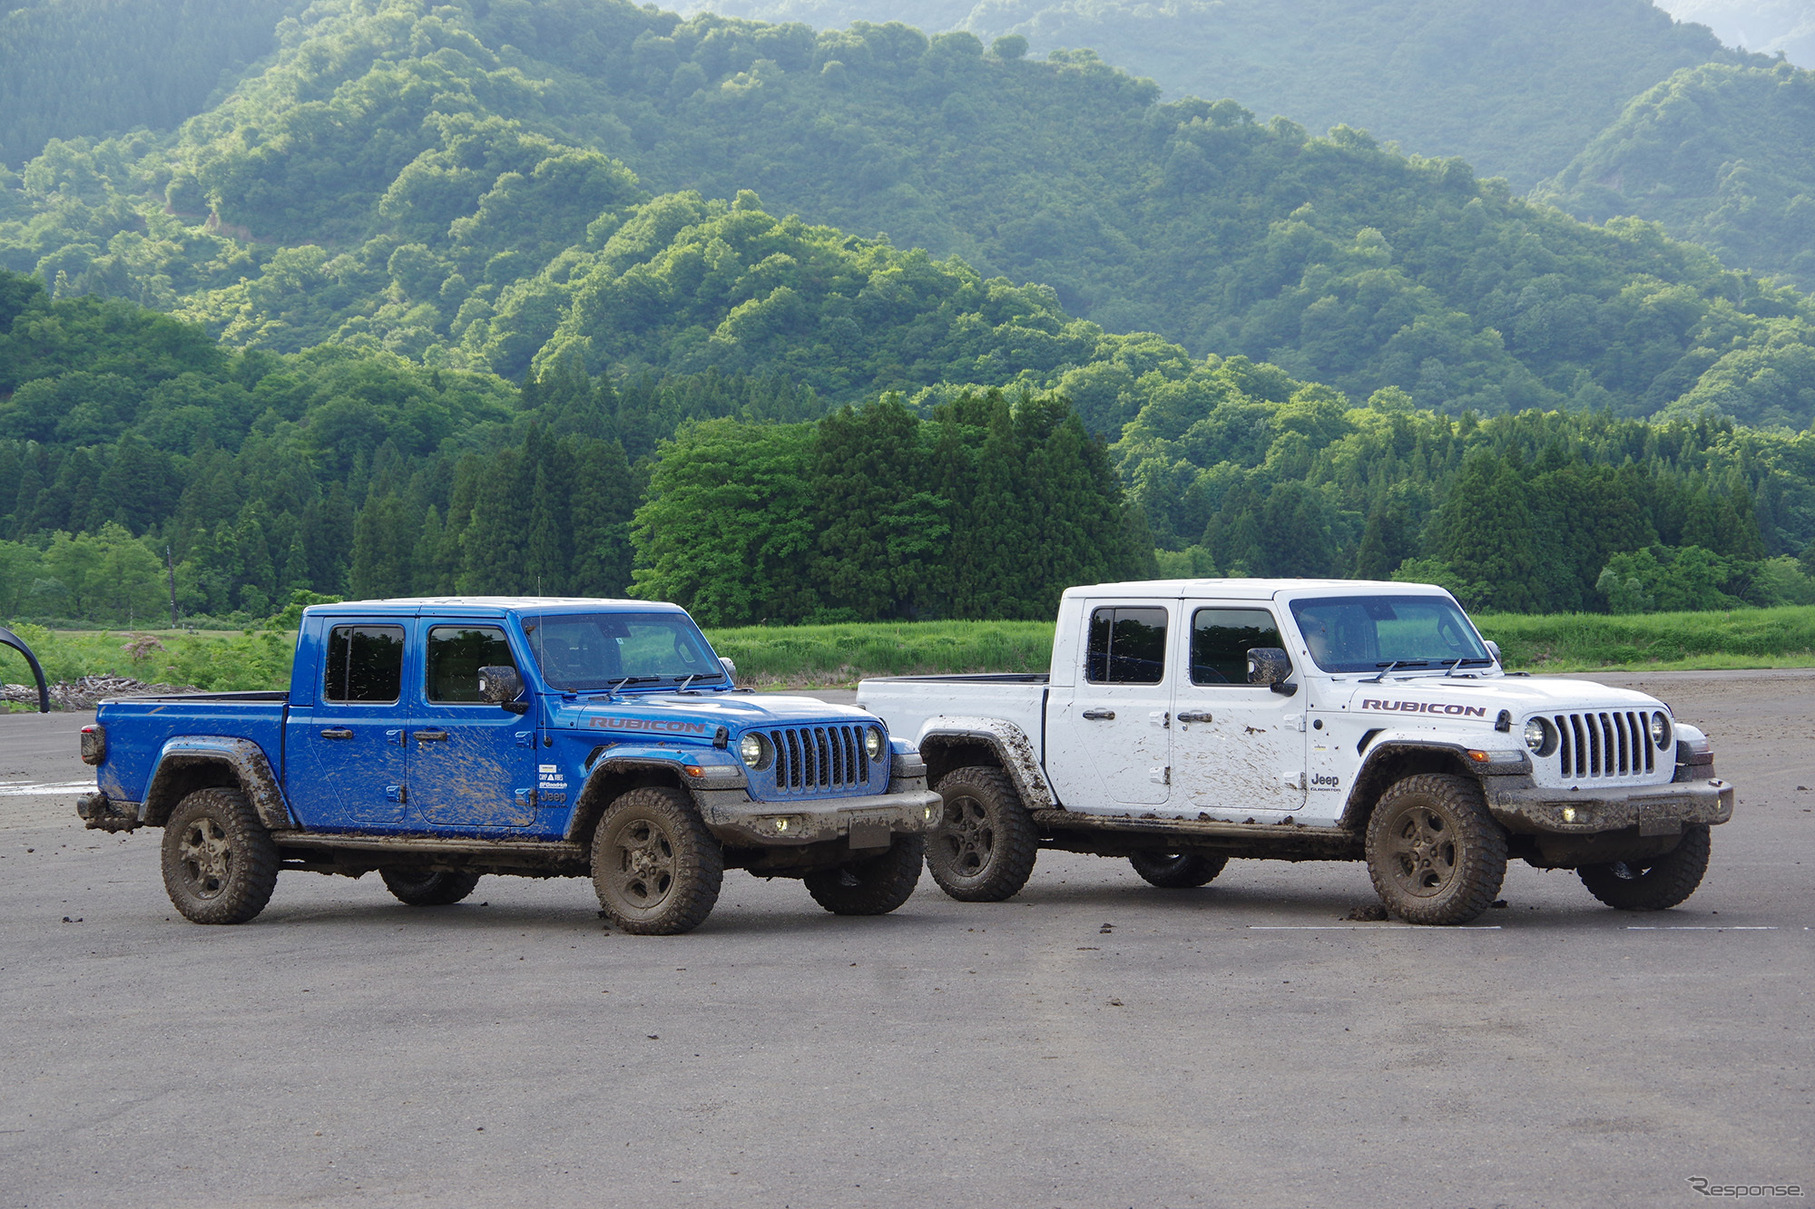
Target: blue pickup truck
437	740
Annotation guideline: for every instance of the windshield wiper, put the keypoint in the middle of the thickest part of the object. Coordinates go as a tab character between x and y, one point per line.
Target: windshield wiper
1460	662
1397	663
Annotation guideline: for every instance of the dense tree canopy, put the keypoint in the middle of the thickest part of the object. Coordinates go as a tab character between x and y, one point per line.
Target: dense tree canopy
467	183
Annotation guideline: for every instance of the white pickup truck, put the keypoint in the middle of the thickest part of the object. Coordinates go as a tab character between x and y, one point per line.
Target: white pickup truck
1185	722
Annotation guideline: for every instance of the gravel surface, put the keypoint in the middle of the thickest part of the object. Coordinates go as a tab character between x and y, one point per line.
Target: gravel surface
1093	1042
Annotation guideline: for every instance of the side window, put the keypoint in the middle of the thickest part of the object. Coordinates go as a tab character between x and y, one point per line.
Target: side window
455	655
1127	646
1220	639
365	664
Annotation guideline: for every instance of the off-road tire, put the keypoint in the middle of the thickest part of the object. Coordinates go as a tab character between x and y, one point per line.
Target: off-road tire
983	848
655	867
1177	870
427	887
1436	856
1655	884
875	885
219	862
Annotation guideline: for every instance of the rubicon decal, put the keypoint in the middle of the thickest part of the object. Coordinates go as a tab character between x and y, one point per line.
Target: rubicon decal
667	726
1451	708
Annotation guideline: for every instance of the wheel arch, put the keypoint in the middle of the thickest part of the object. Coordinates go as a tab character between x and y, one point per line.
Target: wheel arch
952	743
1390	762
193	762
611	779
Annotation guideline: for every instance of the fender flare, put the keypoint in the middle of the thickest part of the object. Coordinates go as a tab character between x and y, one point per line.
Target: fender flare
245	758
1014	750
668	763
1369	779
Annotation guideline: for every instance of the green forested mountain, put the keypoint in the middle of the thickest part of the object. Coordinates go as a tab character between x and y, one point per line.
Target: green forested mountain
1721	155
469	184
1515	87
70	68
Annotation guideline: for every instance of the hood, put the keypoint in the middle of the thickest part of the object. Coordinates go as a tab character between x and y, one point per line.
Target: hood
685	715
1483	699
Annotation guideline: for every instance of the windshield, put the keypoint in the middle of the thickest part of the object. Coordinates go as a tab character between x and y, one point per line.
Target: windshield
583	652
1369	633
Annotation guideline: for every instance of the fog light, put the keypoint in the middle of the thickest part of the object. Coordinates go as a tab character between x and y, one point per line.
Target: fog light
782	824
1569	814
931	813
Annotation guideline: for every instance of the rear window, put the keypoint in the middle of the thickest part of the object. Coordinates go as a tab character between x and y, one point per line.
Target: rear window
365	664
1127	646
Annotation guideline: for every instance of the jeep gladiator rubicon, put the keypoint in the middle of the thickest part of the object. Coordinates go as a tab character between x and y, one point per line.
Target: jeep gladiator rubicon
434	741
1187	722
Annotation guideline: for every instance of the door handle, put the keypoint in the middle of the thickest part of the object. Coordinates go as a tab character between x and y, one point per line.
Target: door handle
337	732
431	736
1195	715
1100	715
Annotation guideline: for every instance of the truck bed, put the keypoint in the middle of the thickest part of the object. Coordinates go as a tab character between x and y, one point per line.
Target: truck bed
138	727
909	704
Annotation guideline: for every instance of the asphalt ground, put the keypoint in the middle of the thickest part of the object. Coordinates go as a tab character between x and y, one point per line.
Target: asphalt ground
1093	1042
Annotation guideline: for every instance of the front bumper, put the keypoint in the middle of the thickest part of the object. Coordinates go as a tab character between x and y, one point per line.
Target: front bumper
1647	810
737	820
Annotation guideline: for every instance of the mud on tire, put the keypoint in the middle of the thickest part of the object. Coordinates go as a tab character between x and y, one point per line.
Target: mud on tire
873	886
1434	853
1177	870
983	849
1654	884
427	887
656	868
219	862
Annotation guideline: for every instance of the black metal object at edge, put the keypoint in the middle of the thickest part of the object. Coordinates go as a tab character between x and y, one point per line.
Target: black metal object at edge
8	638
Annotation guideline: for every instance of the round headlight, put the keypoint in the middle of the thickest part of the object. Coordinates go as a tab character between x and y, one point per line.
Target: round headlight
873	743
1660	729
751	748
1535	734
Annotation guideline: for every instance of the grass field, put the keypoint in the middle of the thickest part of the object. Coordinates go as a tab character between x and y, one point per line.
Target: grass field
835	655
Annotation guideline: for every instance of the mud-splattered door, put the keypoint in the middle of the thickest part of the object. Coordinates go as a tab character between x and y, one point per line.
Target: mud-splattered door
1238	749
1108	746
345	763
472	763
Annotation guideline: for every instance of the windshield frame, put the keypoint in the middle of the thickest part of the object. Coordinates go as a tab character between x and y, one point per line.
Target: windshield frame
586	665
1348	624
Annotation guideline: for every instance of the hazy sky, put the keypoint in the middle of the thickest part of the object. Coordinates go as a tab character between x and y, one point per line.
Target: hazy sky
1762	25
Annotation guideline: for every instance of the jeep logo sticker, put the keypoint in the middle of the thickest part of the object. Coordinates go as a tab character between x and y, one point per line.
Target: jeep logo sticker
1426	707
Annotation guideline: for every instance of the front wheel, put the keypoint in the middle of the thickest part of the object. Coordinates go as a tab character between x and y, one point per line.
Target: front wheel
1177	870
656	868
984	847
875	885
220	864
1656	884
1434	853
427	888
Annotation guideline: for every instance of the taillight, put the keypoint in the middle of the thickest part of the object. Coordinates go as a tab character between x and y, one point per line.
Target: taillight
94	744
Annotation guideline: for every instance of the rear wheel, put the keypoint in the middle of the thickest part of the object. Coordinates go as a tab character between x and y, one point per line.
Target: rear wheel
427	888
1434	853
873	886
984	847
1655	884
219	862
656	868
1177	870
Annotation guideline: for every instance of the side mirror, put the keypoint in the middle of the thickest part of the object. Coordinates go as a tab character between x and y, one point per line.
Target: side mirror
730	670
1493	648
502	686
1270	665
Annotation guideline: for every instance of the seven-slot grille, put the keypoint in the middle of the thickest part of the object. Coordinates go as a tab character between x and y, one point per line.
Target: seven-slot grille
809	758
1612	744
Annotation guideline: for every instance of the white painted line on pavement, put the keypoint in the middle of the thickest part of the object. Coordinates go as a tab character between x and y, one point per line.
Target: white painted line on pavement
1701	927
19	789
